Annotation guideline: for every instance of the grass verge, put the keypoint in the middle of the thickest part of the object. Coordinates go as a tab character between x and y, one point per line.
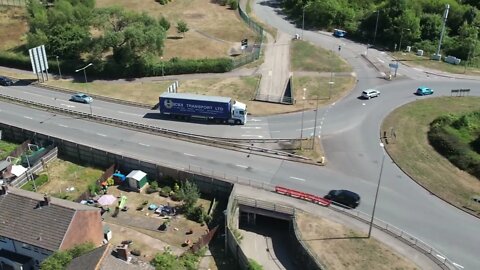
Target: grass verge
414	60
6	148
307	57
339	247
412	152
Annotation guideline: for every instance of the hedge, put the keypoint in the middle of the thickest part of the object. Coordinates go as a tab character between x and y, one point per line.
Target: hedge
110	69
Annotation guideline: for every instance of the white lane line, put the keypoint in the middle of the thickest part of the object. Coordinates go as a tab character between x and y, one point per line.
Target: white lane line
254	120
144	144
441	257
33	94
62	125
251	135
380	60
67	105
190	155
28	117
296	178
134	114
251	127
100	134
241	166
458	265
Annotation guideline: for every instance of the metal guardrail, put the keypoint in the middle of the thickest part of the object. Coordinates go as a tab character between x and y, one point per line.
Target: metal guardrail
167	132
435	255
104	98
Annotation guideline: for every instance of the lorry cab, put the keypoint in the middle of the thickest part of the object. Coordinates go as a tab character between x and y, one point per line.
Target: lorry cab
239	113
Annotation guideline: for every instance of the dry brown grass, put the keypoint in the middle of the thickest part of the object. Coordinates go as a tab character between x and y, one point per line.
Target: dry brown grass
412	151
339	247
13	25
222	24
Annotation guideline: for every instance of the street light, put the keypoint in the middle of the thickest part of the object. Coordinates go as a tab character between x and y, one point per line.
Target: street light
331	83
376	193
84	73
303	112
58	65
163	73
401	36
303	20
315	125
376	27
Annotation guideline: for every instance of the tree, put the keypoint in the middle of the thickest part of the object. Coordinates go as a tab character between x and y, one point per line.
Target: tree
129	35
166	260
164	23
59	260
189	194
182	27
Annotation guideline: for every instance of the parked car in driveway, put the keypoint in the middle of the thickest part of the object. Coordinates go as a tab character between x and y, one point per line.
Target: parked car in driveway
422	91
80	97
5	81
344	197
370	93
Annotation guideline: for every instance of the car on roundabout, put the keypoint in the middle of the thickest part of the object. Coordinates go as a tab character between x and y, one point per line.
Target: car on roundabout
423	91
82	98
344	198
370	93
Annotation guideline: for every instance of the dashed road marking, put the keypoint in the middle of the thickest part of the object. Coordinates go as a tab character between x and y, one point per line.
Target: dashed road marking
458	265
33	94
100	134
251	135
62	125
190	155
67	105
143	144
296	178
28	117
241	166
134	114
251	127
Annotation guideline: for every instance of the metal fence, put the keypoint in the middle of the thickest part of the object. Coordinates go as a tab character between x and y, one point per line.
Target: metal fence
39	166
255	54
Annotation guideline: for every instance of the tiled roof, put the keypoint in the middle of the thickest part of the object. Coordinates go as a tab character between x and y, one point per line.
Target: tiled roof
23	217
90	260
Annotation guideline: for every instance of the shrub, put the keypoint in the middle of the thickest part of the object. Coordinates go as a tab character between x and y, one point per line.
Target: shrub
38	181
196	214
165	191
93	188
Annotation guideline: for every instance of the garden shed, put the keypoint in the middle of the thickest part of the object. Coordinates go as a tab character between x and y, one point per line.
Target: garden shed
137	179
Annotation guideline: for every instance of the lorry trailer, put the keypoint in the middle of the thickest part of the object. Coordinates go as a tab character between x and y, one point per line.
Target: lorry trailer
213	108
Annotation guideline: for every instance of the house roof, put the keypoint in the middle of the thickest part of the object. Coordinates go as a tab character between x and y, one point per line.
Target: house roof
136	174
26	219
90	260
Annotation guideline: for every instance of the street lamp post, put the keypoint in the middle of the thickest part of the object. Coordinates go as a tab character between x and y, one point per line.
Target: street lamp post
58	65
315	125
84	68
331	83
163	73
303	21
376	27
303	112
376	193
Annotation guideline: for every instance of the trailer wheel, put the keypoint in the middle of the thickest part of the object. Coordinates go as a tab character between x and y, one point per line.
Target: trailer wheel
237	122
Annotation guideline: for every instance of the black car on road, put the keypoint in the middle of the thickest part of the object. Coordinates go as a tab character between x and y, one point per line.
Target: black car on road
5	81
344	197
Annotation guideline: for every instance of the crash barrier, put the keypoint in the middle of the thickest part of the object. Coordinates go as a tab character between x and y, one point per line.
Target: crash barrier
302	195
166	132
98	97
459	92
436	256
35	168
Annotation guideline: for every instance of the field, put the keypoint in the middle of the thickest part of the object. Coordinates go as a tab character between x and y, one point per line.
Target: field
13	22
413	153
339	247
307	57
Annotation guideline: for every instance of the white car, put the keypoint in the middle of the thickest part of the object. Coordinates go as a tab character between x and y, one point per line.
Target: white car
80	97
370	93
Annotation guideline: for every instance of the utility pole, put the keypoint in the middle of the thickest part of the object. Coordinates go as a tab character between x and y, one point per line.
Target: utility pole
376	27
303	21
376	193
445	15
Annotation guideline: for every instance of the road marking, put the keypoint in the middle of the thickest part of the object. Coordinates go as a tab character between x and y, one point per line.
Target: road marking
380	60
418	69
144	144
363	104
269	73
458	265
241	166
251	127
28	117
296	178
441	257
100	134
134	114
251	135
67	105
187	154
65	126
255	120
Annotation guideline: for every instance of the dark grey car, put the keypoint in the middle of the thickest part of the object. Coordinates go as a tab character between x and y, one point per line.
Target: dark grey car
5	81
344	197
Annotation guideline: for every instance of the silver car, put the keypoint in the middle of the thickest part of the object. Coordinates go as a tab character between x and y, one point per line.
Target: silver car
80	97
370	93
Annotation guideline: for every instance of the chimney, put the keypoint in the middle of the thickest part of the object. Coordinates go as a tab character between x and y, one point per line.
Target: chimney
4	190
122	252
46	199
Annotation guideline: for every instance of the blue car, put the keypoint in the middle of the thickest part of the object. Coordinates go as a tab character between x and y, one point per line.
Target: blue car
81	98
422	91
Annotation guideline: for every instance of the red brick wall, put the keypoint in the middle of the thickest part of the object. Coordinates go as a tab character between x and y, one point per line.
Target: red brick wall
86	226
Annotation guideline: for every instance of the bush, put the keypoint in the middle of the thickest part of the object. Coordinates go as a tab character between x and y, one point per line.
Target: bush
196	214
165	191
233	4
152	188
93	188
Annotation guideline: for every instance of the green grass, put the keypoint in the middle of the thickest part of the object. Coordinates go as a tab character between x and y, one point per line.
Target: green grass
412	152
35	184
414	60
6	148
305	56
